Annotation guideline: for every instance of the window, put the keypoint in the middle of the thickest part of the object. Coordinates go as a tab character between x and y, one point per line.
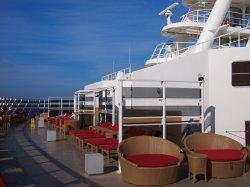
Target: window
241	73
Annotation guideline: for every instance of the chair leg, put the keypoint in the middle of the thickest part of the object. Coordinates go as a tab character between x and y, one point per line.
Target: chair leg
108	156
194	178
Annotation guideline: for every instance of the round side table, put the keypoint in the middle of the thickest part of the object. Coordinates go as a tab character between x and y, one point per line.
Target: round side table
197	164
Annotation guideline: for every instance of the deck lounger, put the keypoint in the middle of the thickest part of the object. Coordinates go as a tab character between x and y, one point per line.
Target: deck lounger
226	157
109	150
69	124
3	182
72	133
95	143
148	160
91	130
110	132
60	122
55	121
99	128
80	138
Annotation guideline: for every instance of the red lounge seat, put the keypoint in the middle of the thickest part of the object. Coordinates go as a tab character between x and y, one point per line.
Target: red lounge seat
153	160
222	155
115	127
87	131
88	136
106	124
109	147
81	131
2	182
102	141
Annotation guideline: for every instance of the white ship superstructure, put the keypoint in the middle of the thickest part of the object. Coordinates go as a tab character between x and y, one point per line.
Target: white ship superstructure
200	79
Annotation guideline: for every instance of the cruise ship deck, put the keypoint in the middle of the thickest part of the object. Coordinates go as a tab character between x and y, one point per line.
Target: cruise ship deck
27	159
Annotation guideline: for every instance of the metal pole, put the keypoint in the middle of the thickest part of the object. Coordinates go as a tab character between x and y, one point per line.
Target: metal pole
48	107
164	110
74	106
120	111
113	106
202	107
78	106
61	107
94	110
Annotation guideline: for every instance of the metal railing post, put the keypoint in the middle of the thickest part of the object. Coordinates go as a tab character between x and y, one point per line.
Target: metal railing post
163	110
94	113
61	107
113	106
120	105
202	107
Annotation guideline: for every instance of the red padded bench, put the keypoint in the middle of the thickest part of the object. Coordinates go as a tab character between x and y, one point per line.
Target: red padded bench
95	143
2	182
109	149
72	133
222	155
153	160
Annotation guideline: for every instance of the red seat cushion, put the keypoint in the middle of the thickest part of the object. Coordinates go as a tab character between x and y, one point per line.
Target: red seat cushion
81	131
2	182
87	136
109	147
106	124
153	160
114	128
222	154
102	141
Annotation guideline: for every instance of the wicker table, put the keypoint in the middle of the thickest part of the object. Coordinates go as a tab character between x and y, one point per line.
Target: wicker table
197	164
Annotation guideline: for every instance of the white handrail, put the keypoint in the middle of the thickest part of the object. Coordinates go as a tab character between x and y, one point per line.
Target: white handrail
112	76
201	15
161	51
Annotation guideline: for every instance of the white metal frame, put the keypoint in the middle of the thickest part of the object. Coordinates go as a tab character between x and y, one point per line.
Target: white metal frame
163	121
77	103
60	103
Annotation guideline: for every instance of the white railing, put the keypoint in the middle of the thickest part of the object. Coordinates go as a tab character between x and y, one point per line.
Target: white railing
200	15
233	19
170	49
31	107
228	40
60	104
112	76
233	39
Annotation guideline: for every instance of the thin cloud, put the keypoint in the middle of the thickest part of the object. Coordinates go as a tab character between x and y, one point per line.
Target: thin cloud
72	43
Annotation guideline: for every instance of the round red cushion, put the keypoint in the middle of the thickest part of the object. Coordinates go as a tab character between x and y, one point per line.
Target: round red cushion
153	160
222	154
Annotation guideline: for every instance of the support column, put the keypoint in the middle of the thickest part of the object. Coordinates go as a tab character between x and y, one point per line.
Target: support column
163	121
214	21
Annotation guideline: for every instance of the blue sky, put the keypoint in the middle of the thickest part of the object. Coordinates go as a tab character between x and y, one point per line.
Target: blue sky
51	48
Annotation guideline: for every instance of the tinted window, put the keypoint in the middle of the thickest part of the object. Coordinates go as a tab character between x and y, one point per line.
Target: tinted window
241	73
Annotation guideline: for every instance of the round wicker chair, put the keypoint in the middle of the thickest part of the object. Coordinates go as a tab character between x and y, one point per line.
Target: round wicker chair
209	141
134	174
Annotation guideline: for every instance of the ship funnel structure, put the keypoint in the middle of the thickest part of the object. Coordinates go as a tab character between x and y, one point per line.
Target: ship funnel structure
212	25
